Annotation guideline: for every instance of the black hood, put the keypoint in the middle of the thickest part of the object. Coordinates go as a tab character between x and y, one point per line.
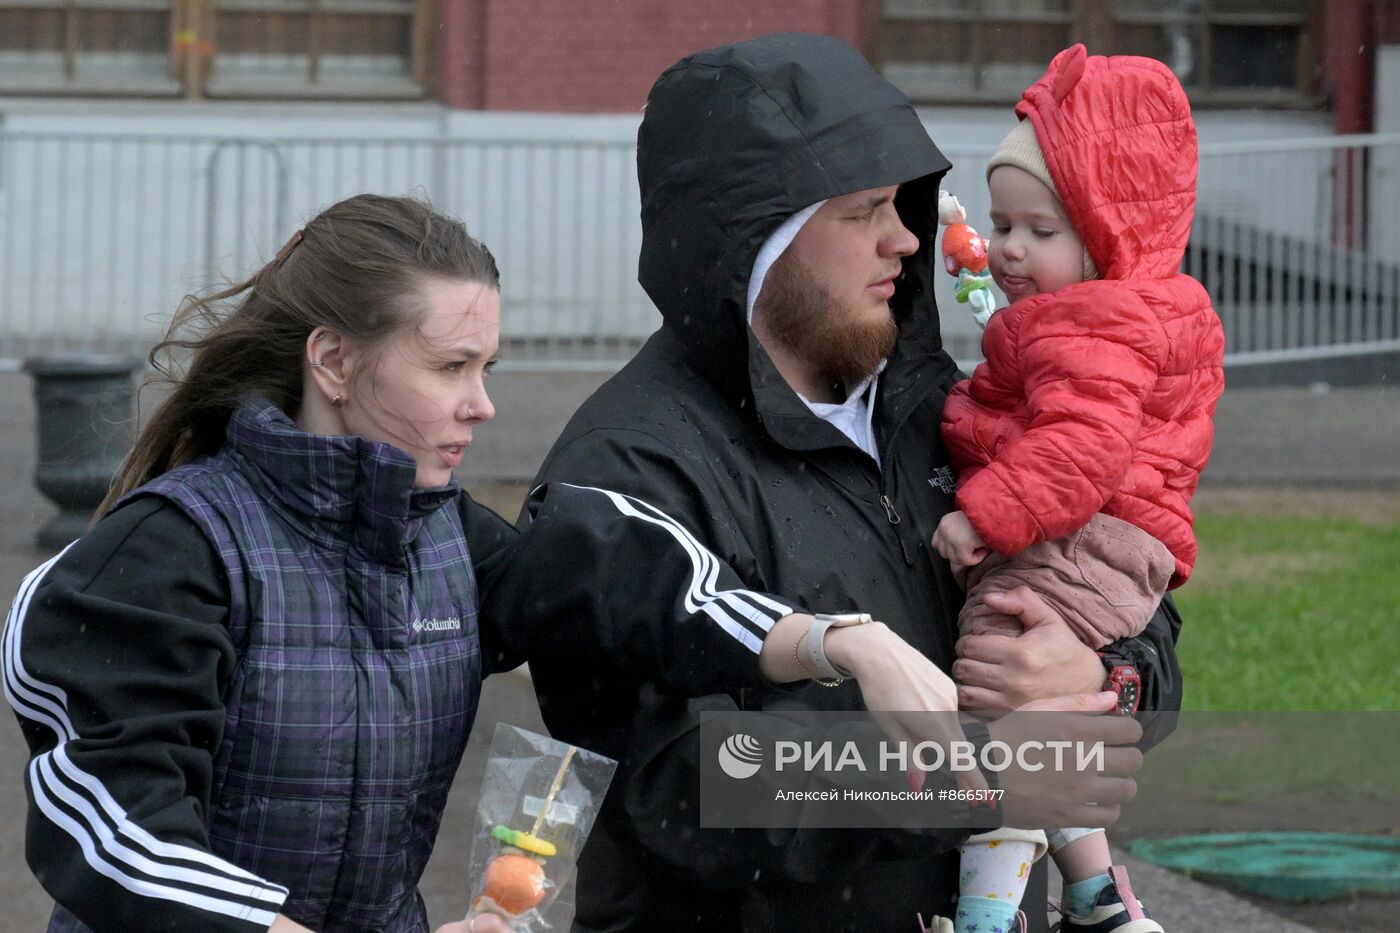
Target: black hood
738	138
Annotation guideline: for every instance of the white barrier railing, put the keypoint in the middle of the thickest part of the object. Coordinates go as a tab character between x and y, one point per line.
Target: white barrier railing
102	235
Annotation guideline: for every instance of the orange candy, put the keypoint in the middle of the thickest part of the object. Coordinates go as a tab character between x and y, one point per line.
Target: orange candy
514	882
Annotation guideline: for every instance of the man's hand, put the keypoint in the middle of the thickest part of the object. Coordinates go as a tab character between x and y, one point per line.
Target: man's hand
959	542
1047	798
997	673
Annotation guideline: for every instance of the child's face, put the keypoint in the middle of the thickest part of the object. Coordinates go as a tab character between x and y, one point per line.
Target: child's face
1034	248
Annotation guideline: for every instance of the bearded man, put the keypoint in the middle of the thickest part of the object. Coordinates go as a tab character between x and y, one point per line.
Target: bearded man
772	451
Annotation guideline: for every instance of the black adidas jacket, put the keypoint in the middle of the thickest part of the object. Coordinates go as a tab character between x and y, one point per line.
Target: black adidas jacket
694	499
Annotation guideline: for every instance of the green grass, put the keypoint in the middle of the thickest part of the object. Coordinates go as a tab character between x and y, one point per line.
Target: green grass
1280	760
1288	613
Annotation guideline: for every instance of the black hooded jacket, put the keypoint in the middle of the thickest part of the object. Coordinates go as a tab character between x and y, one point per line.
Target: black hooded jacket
694	499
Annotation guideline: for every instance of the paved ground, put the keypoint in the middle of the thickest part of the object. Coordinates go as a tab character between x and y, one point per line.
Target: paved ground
1303	443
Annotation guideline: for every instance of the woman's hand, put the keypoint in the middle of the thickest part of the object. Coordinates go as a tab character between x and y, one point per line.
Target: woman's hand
959	542
896	681
892	674
996	673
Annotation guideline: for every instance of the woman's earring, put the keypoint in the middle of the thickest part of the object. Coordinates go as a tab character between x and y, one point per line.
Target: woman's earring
338	401
316	364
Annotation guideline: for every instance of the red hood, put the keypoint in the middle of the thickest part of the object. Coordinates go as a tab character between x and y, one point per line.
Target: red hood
1120	144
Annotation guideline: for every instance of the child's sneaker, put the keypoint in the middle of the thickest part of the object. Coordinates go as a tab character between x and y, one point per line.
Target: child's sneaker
1116	910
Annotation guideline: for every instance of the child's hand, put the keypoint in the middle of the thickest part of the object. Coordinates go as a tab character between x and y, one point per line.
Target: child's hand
959	543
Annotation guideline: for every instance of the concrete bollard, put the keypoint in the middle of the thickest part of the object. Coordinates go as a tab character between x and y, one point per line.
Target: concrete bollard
86	427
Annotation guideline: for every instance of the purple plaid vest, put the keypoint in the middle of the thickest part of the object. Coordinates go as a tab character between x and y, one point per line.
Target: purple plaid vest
354	619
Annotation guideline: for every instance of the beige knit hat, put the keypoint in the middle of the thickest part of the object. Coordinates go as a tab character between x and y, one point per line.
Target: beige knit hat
1020	149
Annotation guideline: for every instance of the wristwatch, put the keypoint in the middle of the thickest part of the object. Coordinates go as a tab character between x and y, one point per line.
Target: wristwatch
812	649
1123	679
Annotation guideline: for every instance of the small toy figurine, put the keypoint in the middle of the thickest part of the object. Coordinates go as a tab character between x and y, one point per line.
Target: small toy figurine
965	256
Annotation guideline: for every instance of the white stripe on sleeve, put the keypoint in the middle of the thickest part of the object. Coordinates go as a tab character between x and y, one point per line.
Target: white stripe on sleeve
109	839
744	614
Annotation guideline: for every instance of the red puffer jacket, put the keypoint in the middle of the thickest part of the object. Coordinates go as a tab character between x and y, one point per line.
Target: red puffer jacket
1099	397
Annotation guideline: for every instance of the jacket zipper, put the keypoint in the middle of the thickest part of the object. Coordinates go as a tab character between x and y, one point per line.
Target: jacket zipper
890	513
893	518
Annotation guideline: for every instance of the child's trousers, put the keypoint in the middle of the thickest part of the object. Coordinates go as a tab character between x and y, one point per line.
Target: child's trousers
1105	579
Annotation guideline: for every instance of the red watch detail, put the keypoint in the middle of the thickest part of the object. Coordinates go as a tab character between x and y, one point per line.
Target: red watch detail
1124	680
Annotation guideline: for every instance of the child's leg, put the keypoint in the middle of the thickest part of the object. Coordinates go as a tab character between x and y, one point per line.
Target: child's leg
1084	860
1097	896
1080	853
992	879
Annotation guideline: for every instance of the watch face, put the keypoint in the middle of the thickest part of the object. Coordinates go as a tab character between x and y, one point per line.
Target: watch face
1126	683
1128	699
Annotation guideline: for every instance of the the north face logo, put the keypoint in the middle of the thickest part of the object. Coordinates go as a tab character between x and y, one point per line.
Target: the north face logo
942	480
437	625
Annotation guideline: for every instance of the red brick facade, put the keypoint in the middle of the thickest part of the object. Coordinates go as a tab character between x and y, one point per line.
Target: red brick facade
590	56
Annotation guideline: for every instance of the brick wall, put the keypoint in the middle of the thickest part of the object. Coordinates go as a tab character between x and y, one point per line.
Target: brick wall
588	56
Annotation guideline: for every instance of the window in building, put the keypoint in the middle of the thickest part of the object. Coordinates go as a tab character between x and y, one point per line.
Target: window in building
1232	52
99	47
315	48
219	48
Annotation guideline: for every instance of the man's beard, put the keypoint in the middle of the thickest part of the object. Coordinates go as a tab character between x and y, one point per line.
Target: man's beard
808	320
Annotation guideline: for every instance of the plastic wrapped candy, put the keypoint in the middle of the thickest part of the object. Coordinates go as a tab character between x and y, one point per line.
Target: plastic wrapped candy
537	804
965	256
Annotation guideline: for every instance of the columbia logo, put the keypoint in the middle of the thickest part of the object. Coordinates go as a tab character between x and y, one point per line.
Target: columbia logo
437	625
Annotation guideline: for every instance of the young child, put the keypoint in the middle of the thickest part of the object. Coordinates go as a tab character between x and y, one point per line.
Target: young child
1080	440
